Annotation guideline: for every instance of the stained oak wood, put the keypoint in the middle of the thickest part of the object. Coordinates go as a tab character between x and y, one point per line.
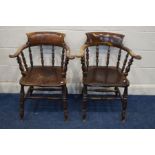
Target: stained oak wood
105	78
43	78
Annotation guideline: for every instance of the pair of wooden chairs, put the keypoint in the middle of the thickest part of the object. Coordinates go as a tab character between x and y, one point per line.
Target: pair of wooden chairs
102	72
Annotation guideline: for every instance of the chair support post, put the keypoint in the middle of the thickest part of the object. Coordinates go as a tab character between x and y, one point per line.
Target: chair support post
64	98
84	104
22	94
124	104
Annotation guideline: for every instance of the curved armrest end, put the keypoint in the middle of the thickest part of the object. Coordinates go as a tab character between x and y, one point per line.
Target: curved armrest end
82	51
68	53
79	56
138	57
71	57
131	53
12	56
19	50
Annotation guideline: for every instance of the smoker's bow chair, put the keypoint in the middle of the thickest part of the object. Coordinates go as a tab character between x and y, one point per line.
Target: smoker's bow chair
105	75
39	75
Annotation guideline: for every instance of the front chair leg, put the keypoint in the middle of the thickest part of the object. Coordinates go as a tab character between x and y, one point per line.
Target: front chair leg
21	111
124	104
64	94
84	104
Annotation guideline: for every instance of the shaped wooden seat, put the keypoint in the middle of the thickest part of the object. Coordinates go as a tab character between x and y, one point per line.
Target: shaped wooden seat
103	76
45	76
107	77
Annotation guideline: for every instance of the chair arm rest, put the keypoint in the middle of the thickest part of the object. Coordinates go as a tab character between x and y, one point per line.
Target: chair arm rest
82	51
19	50
131	53
68	53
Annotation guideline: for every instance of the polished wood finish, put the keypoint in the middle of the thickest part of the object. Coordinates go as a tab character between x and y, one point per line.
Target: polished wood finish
97	55
41	55
125	61
30	55
41	77
106	78
46	38
53	56
108	56
20	65
24	61
99	37
87	57
119	58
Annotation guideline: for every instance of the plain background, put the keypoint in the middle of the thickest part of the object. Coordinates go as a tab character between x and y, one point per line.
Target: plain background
77	13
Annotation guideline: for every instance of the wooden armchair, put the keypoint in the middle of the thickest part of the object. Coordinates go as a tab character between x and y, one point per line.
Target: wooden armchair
39	75
107	75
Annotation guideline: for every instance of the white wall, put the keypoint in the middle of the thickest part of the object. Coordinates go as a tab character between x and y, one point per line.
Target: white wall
139	39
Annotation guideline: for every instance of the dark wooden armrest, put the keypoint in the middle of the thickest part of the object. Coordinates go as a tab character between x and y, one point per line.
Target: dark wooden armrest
131	53
82	49
19	50
71	57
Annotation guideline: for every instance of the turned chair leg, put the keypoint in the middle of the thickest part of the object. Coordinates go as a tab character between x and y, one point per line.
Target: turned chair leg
124	104
116	92
31	90
21	111
64	94
84	104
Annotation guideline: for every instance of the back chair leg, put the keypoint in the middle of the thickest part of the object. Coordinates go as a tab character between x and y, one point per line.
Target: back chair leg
22	94
124	104
64	94
31	90
84	104
116	91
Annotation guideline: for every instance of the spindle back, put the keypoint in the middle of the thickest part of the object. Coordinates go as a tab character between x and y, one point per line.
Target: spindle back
104	44
43	45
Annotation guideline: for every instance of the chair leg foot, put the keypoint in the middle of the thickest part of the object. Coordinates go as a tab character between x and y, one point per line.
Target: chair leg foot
123	117
65	110
84	117
65	102
124	111
65	117
84	104
21	115
124	105
84	110
21	111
